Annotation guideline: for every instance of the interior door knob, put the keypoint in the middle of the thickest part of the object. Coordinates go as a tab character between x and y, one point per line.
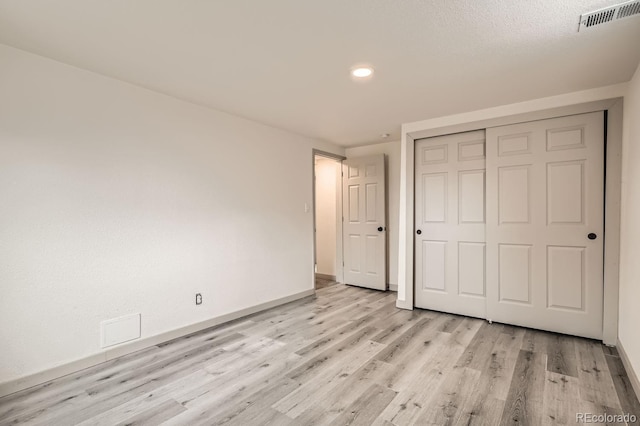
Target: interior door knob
592	236
418	232
380	229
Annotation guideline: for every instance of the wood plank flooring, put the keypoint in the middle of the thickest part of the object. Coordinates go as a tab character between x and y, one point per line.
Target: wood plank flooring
345	357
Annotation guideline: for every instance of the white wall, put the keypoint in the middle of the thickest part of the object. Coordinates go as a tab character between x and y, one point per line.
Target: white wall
326	174
118	200
630	226
392	152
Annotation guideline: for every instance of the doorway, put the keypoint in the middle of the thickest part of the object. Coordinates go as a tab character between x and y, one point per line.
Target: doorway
327	226
349	220
609	101
526	248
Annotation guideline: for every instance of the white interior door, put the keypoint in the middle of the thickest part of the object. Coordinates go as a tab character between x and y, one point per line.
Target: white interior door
364	222
545	185
450	223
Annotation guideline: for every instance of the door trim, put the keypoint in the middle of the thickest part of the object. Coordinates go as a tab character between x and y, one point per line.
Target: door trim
601	99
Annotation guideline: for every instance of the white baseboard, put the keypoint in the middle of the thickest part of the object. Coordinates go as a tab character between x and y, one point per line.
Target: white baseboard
325	276
28	381
633	377
393	287
403	304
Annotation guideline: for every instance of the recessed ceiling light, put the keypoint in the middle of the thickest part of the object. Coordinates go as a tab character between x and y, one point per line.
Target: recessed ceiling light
362	72
384	135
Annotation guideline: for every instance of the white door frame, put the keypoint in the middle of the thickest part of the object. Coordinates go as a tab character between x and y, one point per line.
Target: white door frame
606	98
339	159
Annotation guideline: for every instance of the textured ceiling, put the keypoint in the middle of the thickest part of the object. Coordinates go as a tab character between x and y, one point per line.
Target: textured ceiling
286	62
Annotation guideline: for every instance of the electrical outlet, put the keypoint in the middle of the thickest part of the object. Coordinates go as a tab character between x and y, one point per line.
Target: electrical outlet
198	299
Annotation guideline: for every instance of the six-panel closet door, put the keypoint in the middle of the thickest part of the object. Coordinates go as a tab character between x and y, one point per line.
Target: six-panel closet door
545	222
526	246
450	224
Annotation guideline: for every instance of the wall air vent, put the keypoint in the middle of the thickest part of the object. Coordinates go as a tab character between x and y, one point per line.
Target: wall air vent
609	14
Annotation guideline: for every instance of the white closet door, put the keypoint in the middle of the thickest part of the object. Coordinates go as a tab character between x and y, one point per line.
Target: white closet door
450	224
364	227
545	184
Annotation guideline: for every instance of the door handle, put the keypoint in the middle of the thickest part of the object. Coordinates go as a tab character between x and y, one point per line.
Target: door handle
418	232
592	236
380	229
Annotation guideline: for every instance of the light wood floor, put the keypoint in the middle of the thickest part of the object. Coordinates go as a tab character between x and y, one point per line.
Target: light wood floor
323	283
346	357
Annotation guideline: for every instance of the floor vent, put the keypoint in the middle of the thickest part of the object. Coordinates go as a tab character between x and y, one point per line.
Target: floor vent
609	14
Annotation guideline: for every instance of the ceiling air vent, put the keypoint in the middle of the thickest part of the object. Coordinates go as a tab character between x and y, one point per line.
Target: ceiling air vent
609	14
